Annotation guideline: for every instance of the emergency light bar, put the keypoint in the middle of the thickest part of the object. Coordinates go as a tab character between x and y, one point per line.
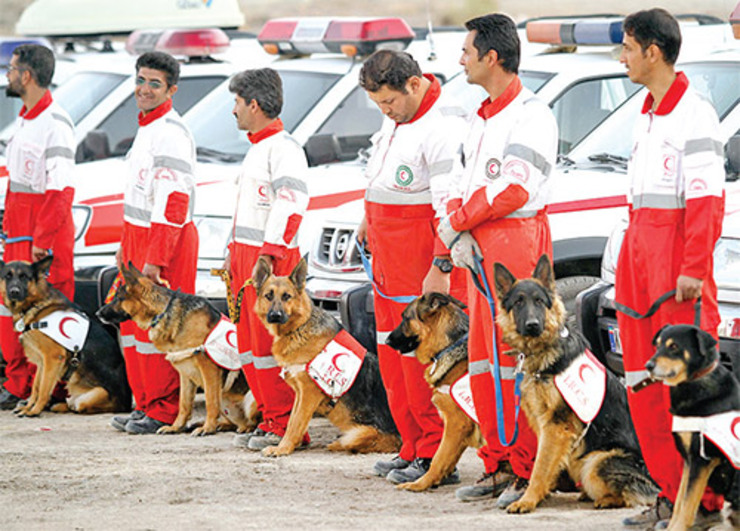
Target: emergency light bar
591	31
8	45
191	43
735	21
352	36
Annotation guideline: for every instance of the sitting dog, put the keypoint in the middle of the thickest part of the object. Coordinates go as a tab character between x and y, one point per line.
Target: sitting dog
308	344
435	327
705	404
577	409
64	344
199	342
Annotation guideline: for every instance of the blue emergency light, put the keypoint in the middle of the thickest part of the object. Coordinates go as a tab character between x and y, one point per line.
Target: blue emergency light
8	45
586	31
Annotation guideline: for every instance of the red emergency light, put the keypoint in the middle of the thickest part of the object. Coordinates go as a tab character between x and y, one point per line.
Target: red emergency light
190	43
735	21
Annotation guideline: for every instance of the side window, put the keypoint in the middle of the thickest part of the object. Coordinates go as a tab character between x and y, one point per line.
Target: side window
585	105
122	123
353	122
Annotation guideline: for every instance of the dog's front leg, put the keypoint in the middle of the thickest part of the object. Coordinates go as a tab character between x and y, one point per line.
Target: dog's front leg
51	373
694	480
308	397
553	445
210	374
185	405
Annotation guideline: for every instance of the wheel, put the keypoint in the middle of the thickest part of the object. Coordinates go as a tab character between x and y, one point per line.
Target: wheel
568	288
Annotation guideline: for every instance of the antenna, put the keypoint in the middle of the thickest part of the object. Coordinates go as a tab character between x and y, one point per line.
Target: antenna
430	34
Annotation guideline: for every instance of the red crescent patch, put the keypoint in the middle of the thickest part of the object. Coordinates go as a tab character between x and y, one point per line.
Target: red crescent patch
334	360
262	192
733	426
228	338
697	184
61	326
584	368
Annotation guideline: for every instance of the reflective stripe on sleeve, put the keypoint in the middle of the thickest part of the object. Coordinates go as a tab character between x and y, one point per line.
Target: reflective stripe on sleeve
440	167
163	161
289	182
262	363
58	151
530	155
698	145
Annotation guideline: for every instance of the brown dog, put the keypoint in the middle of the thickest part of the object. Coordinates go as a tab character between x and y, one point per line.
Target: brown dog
180	324
49	324
302	332
435	327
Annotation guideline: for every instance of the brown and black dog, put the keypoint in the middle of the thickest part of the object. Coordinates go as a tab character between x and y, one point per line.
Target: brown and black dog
179	324
435	327
603	457
301	332
702	391
95	374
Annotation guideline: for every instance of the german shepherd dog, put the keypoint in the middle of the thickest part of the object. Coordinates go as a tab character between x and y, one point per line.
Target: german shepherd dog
178	324
95	375
301	331
603	457
435	327
686	359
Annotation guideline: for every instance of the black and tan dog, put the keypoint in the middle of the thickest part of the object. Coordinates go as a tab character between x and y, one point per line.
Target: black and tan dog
435	327
95	374
603	456
301	332
702	390
179	324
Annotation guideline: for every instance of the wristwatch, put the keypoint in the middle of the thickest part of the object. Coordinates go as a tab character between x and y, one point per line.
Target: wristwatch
444	264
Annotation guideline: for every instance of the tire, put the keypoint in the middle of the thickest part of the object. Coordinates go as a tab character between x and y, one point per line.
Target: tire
568	288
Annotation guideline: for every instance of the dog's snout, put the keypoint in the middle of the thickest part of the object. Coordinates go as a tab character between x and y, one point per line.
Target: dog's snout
532	328
277	317
15	293
650	365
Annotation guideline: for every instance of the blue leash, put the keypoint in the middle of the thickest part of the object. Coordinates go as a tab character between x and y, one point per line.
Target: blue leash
17	239
518	377
403	299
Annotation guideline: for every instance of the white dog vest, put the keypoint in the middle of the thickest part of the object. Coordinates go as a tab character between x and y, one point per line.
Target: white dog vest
463	396
221	345
722	429
583	386
68	328
336	367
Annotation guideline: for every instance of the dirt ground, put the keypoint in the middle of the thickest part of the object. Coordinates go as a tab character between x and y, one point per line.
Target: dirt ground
67	471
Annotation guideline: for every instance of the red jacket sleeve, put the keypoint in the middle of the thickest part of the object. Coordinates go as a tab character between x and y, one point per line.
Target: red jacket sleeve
478	209
54	213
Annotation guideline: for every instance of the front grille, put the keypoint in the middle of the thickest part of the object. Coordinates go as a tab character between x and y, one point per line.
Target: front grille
337	248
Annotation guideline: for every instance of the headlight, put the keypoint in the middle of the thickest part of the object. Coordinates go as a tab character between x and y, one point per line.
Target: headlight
727	264
611	252
81	218
214	234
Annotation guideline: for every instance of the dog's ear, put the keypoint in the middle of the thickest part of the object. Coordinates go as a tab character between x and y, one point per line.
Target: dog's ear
503	278
130	274
298	275
543	272
657	335
261	272
41	267
707	344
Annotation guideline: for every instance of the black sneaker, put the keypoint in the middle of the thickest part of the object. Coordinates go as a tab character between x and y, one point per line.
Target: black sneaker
661	510
489	486
144	426
8	400
416	469
513	492
381	468
241	440
119	422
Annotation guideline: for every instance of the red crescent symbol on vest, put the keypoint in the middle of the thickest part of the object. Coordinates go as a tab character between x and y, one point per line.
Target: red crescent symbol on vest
584	368
228	337
61	325
335	358
733	426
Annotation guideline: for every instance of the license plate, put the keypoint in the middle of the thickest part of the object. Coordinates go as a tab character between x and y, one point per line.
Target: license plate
614	341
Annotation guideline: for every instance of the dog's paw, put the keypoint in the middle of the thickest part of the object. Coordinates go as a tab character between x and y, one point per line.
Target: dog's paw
201	431
521	507
169	430
61	407
276	451
414	486
336	446
610	501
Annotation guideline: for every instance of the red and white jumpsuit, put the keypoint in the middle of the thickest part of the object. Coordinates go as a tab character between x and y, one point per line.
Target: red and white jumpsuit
158	230
507	158
39	204
272	200
676	202
409	179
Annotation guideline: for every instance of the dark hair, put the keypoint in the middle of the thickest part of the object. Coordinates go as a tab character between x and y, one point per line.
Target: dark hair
38	60
388	67
655	26
498	33
262	85
163	62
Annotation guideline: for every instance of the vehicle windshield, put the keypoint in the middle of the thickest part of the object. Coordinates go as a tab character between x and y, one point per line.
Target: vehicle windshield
84	90
717	82
213	124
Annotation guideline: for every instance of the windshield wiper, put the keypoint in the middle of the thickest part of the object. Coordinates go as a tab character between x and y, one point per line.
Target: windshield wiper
608	158
565	160
218	155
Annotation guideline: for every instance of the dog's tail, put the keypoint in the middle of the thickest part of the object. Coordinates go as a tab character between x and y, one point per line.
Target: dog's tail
625	472
363	439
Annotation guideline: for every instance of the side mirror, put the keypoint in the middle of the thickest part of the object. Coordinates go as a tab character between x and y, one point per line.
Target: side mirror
732	158
95	146
322	149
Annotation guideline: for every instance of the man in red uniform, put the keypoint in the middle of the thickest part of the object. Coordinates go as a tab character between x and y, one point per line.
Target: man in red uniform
676	204
498	212
271	201
159	236
409	177
38	207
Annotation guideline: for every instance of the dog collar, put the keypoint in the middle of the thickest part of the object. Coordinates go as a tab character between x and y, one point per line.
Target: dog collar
706	371
445	350
159	317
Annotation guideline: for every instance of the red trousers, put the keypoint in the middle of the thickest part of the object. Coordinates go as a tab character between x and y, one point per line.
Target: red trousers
274	397
401	238
517	244
155	384
649	265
